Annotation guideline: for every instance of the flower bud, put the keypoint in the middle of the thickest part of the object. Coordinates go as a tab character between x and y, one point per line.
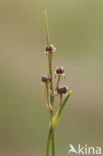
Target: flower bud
45	78
62	89
59	70
50	49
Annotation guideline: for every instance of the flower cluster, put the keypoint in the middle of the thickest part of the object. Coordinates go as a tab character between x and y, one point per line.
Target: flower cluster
46	79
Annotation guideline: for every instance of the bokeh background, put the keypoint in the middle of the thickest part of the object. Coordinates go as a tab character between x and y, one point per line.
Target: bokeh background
76	29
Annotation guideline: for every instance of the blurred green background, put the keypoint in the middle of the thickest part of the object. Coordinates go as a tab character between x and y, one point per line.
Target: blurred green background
76	30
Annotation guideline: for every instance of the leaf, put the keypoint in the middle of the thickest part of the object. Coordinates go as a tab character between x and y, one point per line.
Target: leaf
58	114
64	102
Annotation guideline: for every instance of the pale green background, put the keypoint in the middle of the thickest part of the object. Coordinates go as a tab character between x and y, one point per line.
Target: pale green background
76	29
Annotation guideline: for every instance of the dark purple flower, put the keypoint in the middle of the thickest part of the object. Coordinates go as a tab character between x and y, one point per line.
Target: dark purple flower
50	49
62	89
59	70
45	78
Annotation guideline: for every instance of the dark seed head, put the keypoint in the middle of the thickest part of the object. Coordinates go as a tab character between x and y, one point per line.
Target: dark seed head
59	70
62	89
50	49
45	78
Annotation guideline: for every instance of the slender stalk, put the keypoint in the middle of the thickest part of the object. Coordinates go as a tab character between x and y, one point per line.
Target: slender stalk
47	30
51	85
50	72
52	103
57	85
53	143
61	97
47	99
48	143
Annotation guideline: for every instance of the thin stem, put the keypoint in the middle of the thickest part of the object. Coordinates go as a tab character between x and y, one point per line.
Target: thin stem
51	84
48	143
47	98
47	30
57	85
53	143
52	103
61	98
50	54
47	37
50	72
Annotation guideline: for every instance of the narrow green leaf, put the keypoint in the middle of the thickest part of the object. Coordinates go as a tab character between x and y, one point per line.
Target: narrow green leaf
64	102
58	114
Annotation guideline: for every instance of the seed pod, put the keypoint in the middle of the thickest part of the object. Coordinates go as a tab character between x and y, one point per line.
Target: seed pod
59	70
62	89
45	78
50	49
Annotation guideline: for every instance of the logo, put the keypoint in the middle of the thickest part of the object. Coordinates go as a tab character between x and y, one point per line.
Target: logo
84	150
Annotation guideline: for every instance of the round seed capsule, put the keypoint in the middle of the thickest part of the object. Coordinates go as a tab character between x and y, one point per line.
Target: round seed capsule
62	89
45	78
59	70
50	49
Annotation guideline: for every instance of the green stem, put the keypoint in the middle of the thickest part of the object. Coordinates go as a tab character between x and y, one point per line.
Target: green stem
57	85
47	98
47	30
48	143
61	97
53	143
51	83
